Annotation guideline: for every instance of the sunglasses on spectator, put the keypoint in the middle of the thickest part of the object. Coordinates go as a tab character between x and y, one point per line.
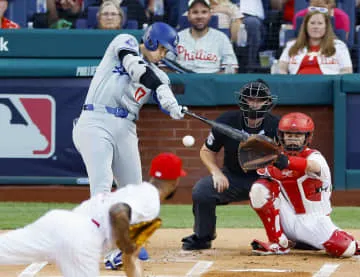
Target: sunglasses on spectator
109	14
319	9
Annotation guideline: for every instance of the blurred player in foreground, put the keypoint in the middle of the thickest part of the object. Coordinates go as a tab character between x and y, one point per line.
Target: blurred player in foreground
75	240
292	198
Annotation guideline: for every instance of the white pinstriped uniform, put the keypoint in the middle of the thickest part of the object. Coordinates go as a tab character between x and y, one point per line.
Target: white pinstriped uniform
109	144
72	239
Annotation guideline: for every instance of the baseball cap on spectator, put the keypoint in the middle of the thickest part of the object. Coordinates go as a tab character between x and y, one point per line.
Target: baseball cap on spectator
193	2
166	166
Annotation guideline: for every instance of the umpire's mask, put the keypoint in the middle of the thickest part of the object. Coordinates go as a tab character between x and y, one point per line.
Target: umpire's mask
255	100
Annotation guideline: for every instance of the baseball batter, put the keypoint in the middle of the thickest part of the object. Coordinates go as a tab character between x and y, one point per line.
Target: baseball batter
293	197
75	240
105	134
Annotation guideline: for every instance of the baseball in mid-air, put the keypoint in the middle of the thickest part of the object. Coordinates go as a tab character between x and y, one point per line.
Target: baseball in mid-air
188	141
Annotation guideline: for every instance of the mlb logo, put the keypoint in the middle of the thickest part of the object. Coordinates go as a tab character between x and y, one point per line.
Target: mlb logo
27	126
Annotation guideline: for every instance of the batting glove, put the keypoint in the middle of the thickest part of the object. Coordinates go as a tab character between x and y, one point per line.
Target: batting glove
176	112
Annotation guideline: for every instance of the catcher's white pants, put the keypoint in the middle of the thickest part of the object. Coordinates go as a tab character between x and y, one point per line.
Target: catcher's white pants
313	229
70	240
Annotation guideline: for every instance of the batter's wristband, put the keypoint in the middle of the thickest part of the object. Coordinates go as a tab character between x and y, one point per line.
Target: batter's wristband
297	163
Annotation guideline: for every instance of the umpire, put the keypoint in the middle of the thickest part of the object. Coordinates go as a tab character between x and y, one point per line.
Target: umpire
230	183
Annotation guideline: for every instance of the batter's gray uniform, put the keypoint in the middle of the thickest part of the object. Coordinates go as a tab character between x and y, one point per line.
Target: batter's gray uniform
105	133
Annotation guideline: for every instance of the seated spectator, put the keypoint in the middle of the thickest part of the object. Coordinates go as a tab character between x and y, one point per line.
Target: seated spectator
342	20
4	22
110	16
316	50
62	14
229	16
251	14
203	49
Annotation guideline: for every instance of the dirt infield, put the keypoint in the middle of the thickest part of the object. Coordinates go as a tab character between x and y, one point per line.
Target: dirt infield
230	256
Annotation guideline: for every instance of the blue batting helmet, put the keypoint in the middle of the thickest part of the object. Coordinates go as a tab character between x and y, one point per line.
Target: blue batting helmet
161	33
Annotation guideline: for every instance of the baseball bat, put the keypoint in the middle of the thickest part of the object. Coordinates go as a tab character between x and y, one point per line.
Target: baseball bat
176	66
220	127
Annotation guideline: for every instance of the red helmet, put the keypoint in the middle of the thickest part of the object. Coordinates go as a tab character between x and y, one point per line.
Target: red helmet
296	123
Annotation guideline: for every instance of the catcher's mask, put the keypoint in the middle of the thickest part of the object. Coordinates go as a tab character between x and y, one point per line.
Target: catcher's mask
255	100
298	123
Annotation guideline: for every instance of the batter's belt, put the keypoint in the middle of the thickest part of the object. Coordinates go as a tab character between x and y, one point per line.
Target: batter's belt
117	112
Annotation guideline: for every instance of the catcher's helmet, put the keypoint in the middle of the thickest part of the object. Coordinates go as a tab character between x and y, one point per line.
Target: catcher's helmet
161	33
258	91
298	123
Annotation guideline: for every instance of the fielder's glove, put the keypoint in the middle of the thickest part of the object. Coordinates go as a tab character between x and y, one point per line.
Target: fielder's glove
141	232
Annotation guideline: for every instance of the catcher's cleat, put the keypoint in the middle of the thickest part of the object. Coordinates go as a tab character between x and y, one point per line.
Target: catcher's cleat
194	243
268	248
113	260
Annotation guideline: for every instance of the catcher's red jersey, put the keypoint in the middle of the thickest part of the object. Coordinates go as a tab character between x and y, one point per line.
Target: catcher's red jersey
307	193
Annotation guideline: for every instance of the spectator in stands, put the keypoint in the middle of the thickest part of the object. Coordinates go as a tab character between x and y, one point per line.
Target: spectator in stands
62	14
6	23
342	20
110	15
229	16
204	49
316	50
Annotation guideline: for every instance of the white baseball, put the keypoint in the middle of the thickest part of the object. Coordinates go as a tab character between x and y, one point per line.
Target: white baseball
188	141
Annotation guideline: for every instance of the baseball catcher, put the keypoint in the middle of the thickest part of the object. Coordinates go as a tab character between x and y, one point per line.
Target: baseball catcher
292	198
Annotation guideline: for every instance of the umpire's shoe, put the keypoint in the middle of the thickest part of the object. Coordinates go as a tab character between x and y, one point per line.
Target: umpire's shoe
192	242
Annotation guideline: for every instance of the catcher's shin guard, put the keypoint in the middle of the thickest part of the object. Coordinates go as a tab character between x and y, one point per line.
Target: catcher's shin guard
264	200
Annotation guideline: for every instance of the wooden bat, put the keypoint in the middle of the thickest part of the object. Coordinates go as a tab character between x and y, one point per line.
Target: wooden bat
220	127
176	66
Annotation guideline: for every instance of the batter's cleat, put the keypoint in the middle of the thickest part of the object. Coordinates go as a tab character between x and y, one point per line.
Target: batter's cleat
194	243
113	260
143	254
268	248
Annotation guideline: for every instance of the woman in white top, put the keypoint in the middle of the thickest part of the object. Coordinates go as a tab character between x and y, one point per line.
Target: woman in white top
316	50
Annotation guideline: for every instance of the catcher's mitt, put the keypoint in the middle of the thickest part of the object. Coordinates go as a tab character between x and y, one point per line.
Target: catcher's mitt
257	151
141	232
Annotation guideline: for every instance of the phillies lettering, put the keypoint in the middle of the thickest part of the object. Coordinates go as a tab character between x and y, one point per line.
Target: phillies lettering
200	55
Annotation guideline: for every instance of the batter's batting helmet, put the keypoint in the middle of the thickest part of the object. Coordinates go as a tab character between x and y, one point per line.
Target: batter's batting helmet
298	123
252	93
161	33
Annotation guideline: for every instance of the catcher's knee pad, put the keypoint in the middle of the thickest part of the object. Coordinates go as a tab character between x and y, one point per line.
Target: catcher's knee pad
262	191
340	244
